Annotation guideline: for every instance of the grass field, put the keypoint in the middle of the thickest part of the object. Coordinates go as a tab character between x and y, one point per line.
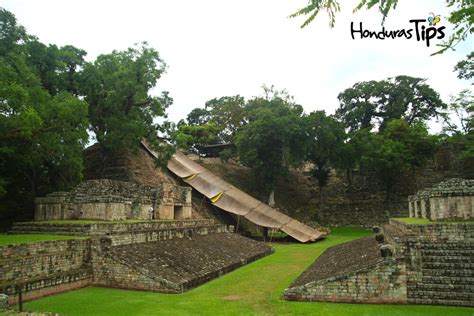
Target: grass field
255	289
424	221
7	239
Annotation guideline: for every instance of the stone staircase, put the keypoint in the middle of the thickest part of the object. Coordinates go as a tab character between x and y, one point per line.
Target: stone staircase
447	274
439	259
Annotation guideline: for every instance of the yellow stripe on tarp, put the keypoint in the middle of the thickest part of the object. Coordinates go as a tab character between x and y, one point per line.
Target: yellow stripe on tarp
216	198
190	177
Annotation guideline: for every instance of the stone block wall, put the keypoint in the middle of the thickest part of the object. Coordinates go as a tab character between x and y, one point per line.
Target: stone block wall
44	268
383	283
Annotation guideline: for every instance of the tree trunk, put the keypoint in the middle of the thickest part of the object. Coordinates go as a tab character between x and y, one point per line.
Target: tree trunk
271	199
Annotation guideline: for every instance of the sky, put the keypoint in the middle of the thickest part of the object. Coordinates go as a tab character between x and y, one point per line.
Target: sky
216	48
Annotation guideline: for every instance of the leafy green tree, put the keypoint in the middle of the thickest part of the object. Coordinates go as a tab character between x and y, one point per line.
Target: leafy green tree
465	68
462	106
374	103
399	149
462	15
122	111
229	114
198	116
325	136
272	140
195	137
41	136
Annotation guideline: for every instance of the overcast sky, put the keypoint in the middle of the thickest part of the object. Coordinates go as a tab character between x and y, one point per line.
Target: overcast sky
216	48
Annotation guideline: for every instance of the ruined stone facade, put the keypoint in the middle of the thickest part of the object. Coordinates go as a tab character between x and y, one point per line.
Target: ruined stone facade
167	256
116	200
450	200
429	264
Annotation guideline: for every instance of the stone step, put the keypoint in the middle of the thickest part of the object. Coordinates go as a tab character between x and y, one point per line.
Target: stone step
448	265
452	302
447	280
441	295
442	252
448	245
447	272
448	259
442	288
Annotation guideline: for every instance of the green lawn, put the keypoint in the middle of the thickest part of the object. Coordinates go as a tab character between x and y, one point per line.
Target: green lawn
255	289
7	239
424	221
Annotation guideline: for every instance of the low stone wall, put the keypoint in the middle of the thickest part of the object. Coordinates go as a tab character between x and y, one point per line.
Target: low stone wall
44	268
383	283
106	227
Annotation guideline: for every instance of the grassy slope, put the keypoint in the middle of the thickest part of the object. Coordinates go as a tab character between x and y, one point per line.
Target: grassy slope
30	238
255	289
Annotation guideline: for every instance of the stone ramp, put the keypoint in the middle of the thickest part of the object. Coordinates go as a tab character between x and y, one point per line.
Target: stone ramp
176	265
229	198
354	272
342	259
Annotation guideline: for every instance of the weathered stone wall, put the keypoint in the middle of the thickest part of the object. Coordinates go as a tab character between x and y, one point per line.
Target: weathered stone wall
51	267
115	200
108	227
384	282
439	260
44	268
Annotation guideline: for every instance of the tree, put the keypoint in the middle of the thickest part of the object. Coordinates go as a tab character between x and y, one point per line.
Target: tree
41	136
462	16
195	137
198	116
462	106
229	114
374	103
465	68
121	110
400	148
324	137
272	140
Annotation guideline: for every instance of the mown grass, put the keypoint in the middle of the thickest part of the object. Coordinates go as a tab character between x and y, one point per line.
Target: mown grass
255	289
13	239
424	221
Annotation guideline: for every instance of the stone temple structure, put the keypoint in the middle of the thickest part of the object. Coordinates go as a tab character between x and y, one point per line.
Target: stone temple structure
450	200
116	200
404	263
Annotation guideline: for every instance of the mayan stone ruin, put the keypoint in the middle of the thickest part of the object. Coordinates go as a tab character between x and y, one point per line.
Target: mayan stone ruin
450	200
402	263
116	200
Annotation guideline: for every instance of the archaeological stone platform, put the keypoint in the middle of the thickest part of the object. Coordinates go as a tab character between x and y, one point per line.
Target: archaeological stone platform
152	255
406	263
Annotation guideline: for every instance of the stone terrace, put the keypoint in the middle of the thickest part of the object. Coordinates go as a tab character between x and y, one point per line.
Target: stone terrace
176	265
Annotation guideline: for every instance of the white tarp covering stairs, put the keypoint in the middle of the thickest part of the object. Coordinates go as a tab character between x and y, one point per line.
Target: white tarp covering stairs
229	198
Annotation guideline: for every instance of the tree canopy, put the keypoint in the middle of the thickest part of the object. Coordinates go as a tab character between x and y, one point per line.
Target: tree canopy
372	104
42	130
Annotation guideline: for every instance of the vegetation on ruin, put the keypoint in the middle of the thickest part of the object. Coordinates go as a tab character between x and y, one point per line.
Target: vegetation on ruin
255	289
14	239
